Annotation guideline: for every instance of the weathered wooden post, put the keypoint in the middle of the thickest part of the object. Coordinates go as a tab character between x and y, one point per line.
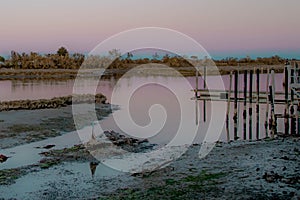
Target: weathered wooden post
272	101
257	104
228	107
235	117
245	106
297	74
293	119
267	104
204	102
196	95
286	97
250	104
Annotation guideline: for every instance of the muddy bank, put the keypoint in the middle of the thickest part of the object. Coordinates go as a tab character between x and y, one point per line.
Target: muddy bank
55	102
11	74
77	153
267	169
25	126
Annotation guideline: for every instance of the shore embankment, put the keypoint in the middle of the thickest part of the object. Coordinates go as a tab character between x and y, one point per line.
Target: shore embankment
63	74
55	102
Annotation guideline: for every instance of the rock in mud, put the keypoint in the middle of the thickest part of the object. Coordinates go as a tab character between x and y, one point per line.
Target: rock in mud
128	143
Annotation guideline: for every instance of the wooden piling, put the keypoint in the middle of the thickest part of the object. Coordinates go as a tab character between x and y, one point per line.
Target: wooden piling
298	118
196	96
257	104
250	104
286	93
235	117
245	107
272	100
267	105
297	73
228	107
292	110
204	102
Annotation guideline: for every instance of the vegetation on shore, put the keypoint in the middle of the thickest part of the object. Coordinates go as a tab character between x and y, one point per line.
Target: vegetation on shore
62	59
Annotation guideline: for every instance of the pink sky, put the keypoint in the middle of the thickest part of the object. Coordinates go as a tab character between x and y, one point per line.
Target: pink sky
231	26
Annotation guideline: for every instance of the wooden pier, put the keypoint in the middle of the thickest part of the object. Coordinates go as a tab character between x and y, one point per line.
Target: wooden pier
270	98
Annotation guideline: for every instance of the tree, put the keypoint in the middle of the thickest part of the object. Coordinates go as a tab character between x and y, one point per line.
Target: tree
78	59
62	51
2	59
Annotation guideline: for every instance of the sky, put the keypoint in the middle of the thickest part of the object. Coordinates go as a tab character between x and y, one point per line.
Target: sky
223	27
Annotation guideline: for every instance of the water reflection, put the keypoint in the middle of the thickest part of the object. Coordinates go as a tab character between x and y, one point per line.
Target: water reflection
141	101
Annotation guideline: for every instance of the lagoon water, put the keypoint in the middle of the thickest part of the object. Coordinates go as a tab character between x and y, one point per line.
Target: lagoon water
158	107
152	101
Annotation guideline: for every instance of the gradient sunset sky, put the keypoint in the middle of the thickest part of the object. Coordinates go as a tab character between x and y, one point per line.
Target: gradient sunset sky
223	27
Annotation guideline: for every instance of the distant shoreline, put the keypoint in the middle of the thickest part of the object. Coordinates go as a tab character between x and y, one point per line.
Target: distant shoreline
62	74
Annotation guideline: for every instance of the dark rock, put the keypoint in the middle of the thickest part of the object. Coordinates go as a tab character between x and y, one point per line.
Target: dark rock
49	146
272	177
3	158
128	143
284	168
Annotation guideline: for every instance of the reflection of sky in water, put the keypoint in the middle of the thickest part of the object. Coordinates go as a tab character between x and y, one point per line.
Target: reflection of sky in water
141	101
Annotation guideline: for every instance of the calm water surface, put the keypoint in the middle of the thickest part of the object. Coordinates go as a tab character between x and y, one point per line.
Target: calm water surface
141	100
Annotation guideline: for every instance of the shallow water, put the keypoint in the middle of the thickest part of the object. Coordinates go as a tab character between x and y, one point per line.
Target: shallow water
159	106
140	103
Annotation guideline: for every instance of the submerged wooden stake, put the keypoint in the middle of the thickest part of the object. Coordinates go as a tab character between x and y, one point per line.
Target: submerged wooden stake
228	107
272	98
204	102
257	104
267	105
286	93
196	96
250	104
297	73
245	106
235	117
292	110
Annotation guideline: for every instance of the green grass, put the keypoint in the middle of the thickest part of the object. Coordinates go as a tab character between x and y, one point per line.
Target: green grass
172	189
8	176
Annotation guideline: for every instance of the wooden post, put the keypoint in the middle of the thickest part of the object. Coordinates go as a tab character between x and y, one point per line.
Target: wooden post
245	106
204	102
267	104
235	117
286	93
196	96
257	104
272	100
293	119
250	104
228	107
297	74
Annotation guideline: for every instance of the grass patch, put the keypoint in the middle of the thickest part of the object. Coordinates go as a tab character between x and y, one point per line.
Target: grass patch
183	188
8	176
21	128
203	176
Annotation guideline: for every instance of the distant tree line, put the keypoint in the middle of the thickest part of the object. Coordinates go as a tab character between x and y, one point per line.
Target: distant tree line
230	61
63	60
